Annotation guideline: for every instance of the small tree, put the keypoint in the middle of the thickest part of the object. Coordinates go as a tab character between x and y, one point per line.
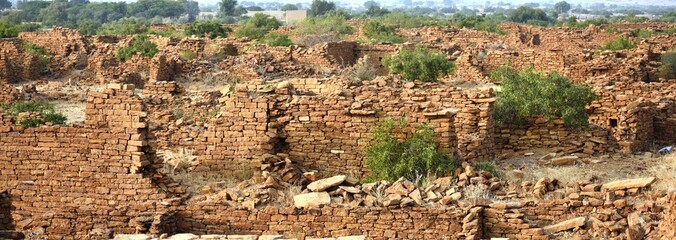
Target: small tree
528	93
258	26
562	7
8	30
141	45
289	7
228	7
668	68
420	63
320	7
417	156
212	29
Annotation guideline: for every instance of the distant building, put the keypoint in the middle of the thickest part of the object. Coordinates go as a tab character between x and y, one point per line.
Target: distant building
283	16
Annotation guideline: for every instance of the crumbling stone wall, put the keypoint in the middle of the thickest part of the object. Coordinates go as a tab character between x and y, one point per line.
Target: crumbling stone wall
60	41
541	133
71	180
162	68
15	64
8	93
334	221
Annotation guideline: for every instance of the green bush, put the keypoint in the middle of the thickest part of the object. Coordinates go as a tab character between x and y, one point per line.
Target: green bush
125	26
483	23
528	93
325	24
417	156
276	40
420	63
668	68
40	52
378	32
258	26
211	29
8	30
641	33
44	108
141	45
187	54
619	43
488	167
403	20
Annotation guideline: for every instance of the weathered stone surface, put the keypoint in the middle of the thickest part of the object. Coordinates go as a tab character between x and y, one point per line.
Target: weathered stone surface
132	237
562	161
566	225
629	183
313	199
183	236
323	184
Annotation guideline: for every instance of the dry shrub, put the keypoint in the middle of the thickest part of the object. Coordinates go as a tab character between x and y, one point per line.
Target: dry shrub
181	160
665	172
362	70
311	40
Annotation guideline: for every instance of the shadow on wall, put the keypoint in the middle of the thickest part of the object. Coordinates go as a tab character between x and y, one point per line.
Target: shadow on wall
6	222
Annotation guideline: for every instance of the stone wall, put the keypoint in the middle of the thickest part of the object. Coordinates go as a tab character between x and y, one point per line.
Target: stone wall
329	132
8	93
540	133
71	180
336	221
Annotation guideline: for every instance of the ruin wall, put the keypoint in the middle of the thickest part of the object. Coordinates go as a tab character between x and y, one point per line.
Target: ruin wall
71	180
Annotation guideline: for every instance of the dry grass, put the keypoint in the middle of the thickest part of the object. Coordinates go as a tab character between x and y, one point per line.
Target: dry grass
476	193
291	192
563	174
665	172
181	159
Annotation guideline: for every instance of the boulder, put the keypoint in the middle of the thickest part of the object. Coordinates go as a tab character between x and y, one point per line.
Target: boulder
323	184
566	225
313	199
629	183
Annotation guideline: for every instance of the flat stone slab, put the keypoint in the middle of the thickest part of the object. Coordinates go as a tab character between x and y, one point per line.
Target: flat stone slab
132	237
566	225
563	161
313	199
323	184
629	183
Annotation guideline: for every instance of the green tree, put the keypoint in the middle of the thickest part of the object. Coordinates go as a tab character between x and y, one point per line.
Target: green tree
289	7
375	11
524	14
320	7
4	4
227	7
420	63
211	29
415	158
528	93
254	9
257	26
562	7
370	4
191	8
125	26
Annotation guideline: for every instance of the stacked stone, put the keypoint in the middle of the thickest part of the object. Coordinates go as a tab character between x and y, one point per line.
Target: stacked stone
597	210
161	68
541	133
8	93
507	220
329	221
